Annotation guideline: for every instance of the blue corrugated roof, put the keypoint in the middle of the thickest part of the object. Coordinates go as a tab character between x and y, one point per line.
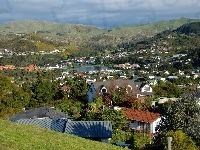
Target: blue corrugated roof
89	129
52	124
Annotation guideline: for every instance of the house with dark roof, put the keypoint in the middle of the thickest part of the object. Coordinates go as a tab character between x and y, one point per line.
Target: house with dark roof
109	87
95	130
142	120
41	113
46	117
144	88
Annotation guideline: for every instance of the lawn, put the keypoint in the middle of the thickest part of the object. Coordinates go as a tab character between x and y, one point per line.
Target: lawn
26	137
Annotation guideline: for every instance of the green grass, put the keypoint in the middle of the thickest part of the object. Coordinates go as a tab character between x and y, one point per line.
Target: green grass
26	137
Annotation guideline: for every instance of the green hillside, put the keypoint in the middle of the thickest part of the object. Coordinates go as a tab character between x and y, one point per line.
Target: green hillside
23	35
151	28
22	137
53	28
189	28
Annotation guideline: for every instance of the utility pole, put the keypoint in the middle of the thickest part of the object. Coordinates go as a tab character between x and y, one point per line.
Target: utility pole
169	139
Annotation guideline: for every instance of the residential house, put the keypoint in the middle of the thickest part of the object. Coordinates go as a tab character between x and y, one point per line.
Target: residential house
162	100
127	66
142	120
172	77
53	66
90	80
40	113
106	88
8	67
66	89
79	73
195	76
95	130
135	66
152	82
49	118
122	77
150	76
160	79
144	88
1	67
31	67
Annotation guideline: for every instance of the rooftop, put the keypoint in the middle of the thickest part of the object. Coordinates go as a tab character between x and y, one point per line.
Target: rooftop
139	115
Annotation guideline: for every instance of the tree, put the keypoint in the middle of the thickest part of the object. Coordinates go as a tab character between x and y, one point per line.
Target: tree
97	61
116	117
119	95
182	115
69	107
180	141
57	93
166	89
41	92
12	98
96	112
92	112
78	88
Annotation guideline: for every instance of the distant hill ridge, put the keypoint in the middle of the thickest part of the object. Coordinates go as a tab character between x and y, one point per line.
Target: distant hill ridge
189	28
34	35
29	26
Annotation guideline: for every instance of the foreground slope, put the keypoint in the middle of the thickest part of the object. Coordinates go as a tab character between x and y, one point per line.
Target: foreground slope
22	137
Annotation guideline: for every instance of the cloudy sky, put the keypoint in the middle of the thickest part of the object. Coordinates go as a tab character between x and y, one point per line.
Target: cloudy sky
101	13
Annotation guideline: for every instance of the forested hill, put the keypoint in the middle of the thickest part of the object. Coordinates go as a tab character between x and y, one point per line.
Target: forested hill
66	29
167	44
45	27
189	28
184	37
32	35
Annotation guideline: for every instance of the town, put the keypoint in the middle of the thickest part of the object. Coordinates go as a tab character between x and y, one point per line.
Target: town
135	96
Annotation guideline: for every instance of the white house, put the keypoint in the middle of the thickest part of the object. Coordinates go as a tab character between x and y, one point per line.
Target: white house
144	88
142	120
89	80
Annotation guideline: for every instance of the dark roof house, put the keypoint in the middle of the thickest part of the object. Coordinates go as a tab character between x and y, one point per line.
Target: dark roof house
144	88
42	112
89	129
109	87
46	117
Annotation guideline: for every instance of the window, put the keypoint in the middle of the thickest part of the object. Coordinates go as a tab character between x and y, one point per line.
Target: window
104	90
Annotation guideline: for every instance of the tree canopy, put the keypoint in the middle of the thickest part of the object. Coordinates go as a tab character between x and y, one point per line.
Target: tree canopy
183	115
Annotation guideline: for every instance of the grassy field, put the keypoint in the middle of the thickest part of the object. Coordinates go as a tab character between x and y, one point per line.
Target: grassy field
25	137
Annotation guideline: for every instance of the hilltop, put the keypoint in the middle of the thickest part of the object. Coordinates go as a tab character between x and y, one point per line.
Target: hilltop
33	35
66	29
21	137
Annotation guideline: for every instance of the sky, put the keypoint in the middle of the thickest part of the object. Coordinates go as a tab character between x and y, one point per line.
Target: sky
100	13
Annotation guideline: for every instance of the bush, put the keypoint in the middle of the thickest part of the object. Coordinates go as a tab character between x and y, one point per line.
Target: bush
180	141
121	136
140	140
